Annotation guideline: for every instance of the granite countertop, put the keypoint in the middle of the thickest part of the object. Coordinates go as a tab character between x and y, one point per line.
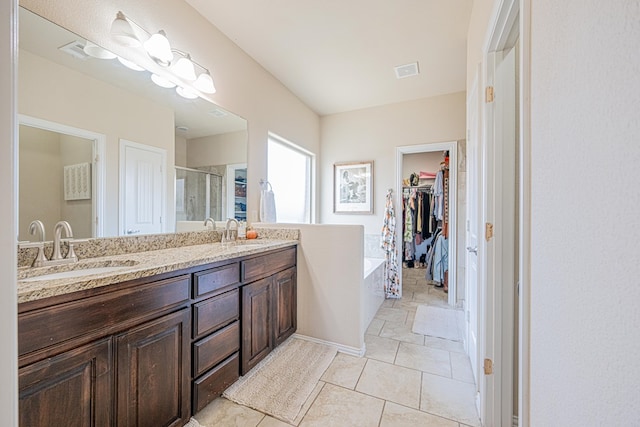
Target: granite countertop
133	266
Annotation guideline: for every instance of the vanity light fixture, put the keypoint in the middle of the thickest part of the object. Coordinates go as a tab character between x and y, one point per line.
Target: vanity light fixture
158	48
204	83
96	51
184	68
129	64
123	32
162	82
186	93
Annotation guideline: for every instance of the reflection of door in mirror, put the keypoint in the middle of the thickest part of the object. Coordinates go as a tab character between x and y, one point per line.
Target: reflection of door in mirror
142	188
58	178
198	195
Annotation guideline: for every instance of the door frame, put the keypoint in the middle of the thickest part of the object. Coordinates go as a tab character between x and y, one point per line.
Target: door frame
474	185
98	177
452	146
509	14
9	192
124	143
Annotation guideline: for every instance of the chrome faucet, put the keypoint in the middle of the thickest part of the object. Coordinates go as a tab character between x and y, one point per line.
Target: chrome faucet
210	221
227	235
56	257
38	227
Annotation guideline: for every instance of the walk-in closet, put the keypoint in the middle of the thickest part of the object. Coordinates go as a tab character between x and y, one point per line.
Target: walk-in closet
425	215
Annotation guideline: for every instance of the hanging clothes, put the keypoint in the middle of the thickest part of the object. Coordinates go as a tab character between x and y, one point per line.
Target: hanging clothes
440	259
388	244
438	194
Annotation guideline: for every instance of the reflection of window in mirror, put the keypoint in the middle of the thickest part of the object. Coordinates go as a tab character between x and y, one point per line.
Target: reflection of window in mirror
290	171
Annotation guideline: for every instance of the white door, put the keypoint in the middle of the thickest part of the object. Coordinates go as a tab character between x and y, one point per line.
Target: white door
498	253
142	188
473	219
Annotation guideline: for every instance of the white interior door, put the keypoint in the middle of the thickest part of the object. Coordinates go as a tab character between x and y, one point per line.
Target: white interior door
473	219
142	188
498	252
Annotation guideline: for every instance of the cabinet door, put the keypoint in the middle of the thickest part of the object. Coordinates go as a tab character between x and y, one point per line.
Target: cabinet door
285	291
257	336
71	389
153	373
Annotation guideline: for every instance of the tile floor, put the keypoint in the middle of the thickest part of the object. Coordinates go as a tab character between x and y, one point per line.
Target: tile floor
404	379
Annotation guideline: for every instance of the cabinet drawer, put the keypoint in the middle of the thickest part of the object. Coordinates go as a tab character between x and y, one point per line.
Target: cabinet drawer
49	326
213	383
211	314
214	279
265	265
213	349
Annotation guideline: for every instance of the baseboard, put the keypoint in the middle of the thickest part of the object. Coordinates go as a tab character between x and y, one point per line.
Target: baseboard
353	351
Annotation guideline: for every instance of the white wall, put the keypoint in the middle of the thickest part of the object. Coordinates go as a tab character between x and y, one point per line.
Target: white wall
585	261
8	232
374	134
243	86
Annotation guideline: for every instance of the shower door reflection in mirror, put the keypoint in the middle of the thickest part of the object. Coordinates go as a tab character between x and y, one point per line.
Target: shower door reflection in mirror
198	195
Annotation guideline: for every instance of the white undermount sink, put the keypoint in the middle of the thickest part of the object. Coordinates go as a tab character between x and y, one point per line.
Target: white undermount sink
79	270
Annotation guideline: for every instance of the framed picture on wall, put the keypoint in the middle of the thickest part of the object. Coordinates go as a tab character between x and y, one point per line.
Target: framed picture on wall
353	187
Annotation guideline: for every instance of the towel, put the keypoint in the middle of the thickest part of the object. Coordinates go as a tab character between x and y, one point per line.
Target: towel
267	204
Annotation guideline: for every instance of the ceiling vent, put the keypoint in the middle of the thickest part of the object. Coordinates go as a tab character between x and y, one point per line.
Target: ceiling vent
407	70
75	49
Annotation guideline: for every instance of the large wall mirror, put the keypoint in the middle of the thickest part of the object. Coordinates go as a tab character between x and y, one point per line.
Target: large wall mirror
74	111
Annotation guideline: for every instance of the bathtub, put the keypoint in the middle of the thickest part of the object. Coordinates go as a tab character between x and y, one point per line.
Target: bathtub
373	289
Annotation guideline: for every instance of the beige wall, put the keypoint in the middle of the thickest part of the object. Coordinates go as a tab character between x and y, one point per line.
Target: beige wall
222	149
79	213
93	105
582	301
330	283
585	261
374	134
421	162
42	157
41	183
244	87
181	151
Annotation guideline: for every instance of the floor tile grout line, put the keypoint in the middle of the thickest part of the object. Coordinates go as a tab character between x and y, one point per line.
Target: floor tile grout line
324	383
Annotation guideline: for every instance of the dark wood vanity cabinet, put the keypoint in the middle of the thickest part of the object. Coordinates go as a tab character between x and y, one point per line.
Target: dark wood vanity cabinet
216	332
257	322
285	293
74	385
152	373
104	357
269	304
153	351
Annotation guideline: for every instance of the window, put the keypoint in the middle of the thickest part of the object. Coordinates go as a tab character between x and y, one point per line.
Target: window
290	173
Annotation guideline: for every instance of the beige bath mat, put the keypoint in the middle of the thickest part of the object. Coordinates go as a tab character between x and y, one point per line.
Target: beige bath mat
281	384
